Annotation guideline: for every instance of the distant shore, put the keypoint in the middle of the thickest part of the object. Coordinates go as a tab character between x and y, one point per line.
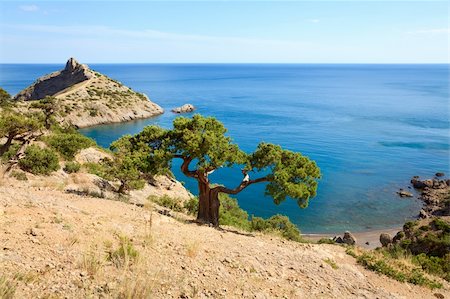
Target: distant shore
370	236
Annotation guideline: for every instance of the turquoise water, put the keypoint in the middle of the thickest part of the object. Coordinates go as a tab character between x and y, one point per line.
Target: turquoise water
369	127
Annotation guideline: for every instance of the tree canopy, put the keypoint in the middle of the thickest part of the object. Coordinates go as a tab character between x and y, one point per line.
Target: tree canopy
202	144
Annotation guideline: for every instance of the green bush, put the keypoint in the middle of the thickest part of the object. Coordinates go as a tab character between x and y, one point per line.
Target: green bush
68	144
125	254
287	229
326	241
10	152
18	175
72	167
39	160
167	202
231	214
191	206
96	168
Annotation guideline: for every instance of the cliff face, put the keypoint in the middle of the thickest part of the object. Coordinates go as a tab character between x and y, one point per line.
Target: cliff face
88	98
53	83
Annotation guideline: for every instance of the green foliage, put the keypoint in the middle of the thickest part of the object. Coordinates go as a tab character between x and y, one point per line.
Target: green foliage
326	241
48	106
202	142
68	144
18	175
392	269
72	167
409	225
126	165
13	124
331	263
96	168
125	254
191	205
433	241
5	98
231	214
39	161
291	174
167	202
11	152
278	224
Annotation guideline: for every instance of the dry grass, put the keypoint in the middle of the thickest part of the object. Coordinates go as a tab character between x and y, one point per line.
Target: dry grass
192	249
92	261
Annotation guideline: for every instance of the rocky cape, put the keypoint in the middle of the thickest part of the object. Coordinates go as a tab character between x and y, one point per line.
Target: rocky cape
88	98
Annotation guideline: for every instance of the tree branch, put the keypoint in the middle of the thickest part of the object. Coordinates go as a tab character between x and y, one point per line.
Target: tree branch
241	186
185	166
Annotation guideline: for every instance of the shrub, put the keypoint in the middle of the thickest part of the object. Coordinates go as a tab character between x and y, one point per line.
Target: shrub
11	152
68	144
72	167
326	241
18	175
167	202
191	205
39	161
97	169
287	229
125	254
231	214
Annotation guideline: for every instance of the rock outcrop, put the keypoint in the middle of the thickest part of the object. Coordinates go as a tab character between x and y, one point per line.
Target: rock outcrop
184	109
53	83
435	194
88	98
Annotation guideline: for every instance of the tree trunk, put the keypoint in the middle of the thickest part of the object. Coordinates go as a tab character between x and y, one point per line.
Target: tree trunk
5	147
208	205
122	188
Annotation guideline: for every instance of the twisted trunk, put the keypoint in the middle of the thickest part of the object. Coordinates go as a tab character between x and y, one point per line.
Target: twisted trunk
208	198
208	204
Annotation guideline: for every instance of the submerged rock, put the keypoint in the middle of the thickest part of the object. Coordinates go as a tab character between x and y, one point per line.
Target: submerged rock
184	109
404	193
439	174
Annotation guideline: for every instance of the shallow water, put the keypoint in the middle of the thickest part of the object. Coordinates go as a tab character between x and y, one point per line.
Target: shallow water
369	127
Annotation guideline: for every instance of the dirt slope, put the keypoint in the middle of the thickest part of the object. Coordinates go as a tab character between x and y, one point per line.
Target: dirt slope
54	245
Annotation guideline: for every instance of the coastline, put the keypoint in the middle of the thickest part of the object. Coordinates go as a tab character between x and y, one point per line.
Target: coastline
371	236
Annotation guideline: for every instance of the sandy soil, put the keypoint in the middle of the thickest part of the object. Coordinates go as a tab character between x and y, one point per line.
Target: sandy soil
55	245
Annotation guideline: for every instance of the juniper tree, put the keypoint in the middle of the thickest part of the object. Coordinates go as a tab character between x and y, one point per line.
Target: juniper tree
202	145
17	126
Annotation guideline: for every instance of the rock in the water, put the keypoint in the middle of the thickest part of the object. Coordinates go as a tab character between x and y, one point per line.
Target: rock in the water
385	239
349	238
184	109
418	184
439	174
404	193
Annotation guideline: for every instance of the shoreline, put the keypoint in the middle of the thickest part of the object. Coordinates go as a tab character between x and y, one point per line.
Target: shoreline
371	236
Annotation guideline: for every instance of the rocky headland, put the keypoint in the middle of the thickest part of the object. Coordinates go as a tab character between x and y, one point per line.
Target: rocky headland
88	98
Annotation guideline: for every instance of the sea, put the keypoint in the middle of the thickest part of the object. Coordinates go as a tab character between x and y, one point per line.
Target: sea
370	128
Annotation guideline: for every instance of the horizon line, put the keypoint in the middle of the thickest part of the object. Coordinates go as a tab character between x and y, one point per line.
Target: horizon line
234	63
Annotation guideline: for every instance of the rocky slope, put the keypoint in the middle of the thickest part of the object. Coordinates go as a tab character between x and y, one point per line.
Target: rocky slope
88	98
56	244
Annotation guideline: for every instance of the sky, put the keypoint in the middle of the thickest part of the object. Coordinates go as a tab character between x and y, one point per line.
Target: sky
225	31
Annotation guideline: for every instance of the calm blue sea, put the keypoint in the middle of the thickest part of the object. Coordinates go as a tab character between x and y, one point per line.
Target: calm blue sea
369	127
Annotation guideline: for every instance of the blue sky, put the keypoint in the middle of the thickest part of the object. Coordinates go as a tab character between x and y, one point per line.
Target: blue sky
225	31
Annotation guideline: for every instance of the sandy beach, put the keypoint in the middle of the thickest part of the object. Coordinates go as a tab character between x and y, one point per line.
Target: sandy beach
371	236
